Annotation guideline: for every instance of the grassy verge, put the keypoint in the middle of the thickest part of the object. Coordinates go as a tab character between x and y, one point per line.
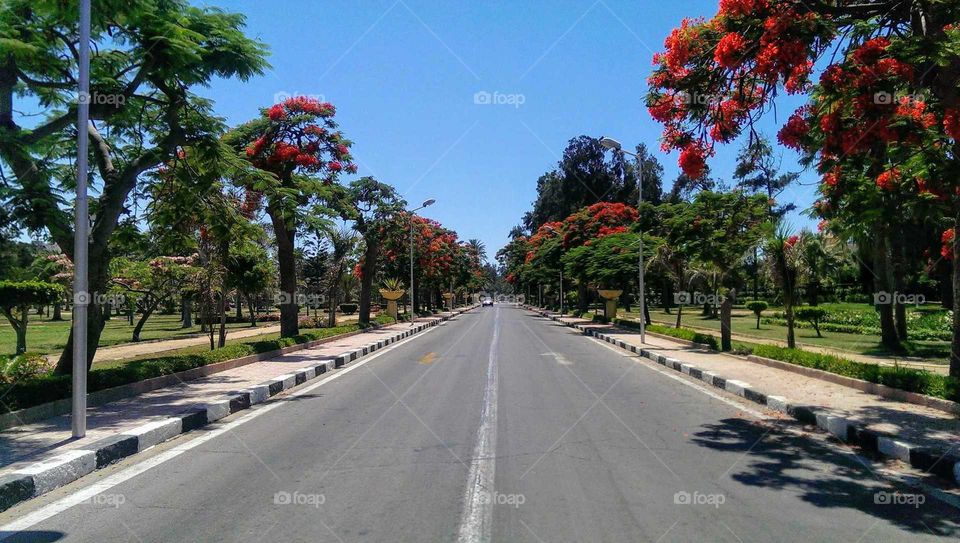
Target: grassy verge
35	390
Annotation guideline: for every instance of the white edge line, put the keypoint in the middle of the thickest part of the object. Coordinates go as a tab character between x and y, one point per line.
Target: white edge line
80	496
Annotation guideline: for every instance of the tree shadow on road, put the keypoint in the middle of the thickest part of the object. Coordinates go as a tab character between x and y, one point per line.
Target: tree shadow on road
780	461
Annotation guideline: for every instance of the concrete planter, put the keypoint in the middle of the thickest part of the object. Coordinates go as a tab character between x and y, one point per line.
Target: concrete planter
610	307
392	296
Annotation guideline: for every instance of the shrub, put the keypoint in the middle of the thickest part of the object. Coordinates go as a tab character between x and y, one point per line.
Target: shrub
25	366
682	333
758	307
348	309
908	379
813	315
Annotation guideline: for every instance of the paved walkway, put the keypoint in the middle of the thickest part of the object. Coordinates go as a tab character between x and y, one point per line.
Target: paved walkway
913	423
130	350
903	361
21	445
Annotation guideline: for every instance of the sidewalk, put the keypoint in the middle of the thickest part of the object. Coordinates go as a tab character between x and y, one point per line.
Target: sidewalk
902	361
130	350
38	457
921	436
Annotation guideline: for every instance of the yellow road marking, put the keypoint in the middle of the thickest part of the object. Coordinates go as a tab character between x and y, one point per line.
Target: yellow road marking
428	358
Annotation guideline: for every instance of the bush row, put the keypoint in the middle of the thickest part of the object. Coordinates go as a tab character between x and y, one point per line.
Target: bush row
908	379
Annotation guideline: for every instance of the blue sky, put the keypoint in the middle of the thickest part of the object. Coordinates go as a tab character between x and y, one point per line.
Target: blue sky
404	75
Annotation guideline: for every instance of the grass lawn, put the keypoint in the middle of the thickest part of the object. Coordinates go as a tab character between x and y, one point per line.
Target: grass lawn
46	336
744	324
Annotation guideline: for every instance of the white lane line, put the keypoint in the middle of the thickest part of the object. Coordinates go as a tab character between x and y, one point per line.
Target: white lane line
80	496
476	522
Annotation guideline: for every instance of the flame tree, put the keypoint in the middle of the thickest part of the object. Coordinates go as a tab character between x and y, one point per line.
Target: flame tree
298	142
881	124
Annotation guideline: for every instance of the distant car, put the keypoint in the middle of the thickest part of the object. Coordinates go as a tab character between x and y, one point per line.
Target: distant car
487	301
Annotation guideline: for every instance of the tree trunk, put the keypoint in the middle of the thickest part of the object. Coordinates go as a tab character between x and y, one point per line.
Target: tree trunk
186	313
97	270
151	307
679	315
22	336
57	311
289	311
253	312
791	335
726	310
239	302
368	272
583	301
888	328
222	311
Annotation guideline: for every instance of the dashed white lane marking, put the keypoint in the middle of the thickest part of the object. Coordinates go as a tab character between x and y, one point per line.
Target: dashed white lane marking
476	522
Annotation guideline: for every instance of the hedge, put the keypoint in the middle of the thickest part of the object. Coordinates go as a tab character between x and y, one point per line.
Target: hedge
908	379
52	387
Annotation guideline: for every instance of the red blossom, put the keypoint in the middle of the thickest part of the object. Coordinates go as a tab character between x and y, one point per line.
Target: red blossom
729	50
888	180
693	161
951	123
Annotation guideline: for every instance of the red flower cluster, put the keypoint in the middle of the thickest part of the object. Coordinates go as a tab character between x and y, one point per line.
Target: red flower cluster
693	160
946	239
729	50
791	241
951	123
739	8
307	139
796	130
888	180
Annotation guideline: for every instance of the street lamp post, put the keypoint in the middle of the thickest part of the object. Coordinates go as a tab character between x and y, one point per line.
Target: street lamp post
413	300
81	298
613	144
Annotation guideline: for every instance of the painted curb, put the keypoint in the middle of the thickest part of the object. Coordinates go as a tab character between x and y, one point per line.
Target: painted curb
946	465
65	467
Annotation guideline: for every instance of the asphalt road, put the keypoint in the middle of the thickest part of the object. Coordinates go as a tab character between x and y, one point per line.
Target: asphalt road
497	426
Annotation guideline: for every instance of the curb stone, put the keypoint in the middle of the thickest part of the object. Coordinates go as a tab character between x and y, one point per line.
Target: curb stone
65	467
928	460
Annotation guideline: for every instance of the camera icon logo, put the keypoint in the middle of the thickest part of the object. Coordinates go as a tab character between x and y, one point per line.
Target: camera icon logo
882	98
482	98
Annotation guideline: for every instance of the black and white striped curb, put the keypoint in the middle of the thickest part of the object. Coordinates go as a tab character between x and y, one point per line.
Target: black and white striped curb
946	465
66	467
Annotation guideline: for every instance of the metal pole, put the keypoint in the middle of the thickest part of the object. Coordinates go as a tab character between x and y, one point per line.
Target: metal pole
643	318
413	300
81	297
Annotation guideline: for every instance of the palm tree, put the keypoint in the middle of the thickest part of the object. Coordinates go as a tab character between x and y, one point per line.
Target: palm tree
678	267
479	248
785	265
